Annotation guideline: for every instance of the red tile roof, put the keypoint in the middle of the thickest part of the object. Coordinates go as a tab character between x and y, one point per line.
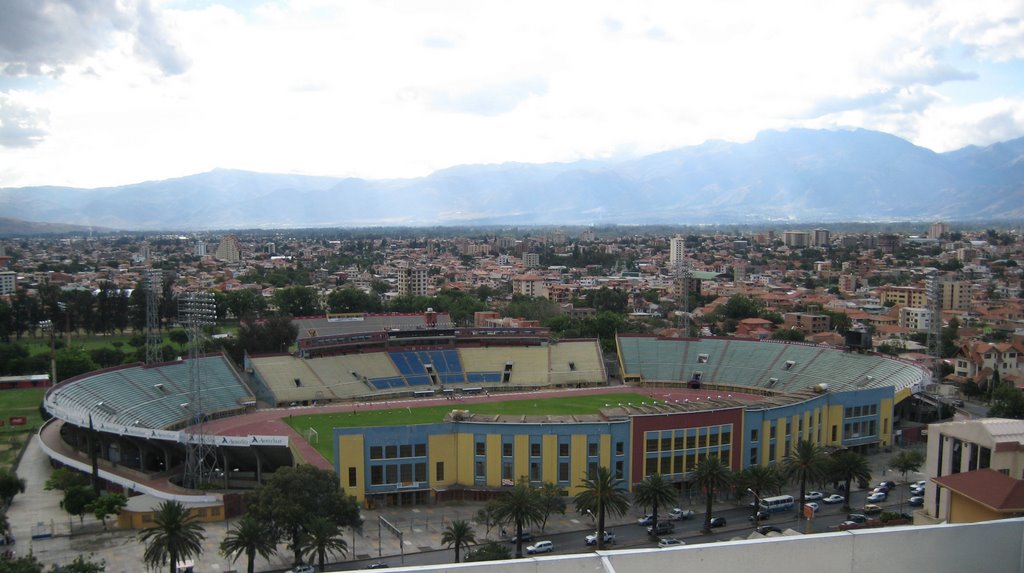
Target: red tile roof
988	487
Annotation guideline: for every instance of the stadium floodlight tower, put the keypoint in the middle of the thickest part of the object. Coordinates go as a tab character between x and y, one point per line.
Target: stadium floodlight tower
933	292
154	288
196	311
683	278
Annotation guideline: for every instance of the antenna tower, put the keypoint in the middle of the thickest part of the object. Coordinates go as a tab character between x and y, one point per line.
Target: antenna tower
154	288
196	311
933	291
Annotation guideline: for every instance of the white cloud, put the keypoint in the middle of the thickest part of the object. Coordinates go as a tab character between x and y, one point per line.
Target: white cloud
399	89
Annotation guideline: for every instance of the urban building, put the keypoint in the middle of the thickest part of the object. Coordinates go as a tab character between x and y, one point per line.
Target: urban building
938	230
809	323
676	250
822	237
914	318
229	249
8	282
413	281
796	239
531	260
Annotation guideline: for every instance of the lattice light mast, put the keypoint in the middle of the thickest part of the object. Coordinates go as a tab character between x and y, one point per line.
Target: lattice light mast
196	311
154	288
933	291
683	278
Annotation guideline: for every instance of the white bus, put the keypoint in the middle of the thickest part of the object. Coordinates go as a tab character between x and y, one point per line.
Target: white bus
777	503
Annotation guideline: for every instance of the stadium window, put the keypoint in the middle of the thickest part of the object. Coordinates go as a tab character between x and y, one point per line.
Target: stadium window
592	449
406	473
666	465
420	470
771	434
691	440
592	469
506	470
753	457
651	467
390	452
620	448
619	470
391	473
481	470
535	450
376	453
563	450
725	438
677	464
481	448
439	471
376	475
534	471
691	462
834	428
753	435
563	471
351	477
405	451
506	450
652	444
421	450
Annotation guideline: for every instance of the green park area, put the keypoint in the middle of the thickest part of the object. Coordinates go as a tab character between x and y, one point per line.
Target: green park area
324	424
14	403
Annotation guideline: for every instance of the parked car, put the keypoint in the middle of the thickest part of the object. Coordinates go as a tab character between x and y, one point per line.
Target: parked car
527	537
857	518
761	516
876	497
958	403
871	509
813	505
813	496
670	542
662	528
881	489
540	547
717	522
766	529
378	565
645	520
888	484
834	498
609	537
920	483
917	490
303	569
916	501
678	514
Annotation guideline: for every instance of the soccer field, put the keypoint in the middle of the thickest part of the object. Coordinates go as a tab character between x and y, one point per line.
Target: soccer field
20	402
324	424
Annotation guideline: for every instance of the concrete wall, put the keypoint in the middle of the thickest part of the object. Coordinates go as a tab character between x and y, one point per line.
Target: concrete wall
995	545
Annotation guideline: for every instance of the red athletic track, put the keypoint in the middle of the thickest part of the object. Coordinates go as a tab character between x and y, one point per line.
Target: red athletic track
269	422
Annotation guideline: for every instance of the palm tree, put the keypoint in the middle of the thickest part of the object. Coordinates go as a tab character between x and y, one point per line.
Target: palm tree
655	491
458	535
847	466
805	462
176	535
602	494
760	480
519	506
711	475
250	537
323	536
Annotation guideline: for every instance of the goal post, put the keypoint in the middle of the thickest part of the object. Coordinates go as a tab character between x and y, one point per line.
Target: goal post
312	436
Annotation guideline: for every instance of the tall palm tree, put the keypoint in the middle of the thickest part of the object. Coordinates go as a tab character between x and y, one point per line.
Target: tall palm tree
711	475
602	494
805	462
323	536
847	466
761	480
251	538
175	536
655	491
520	506
458	534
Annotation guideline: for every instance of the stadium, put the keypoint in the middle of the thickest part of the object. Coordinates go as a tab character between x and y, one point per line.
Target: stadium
656	405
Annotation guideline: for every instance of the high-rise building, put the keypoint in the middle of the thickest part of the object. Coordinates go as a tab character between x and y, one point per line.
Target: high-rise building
229	250
676	250
413	281
938	230
956	295
822	237
796	239
200	249
531	260
8	282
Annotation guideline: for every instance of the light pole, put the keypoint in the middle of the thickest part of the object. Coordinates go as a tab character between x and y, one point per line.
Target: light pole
67	320
757	507
47	326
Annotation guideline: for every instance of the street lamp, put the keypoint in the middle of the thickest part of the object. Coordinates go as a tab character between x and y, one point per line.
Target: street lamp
757	507
47	326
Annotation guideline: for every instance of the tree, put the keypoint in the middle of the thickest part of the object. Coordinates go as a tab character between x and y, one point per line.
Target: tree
323	536
805	462
790	334
107	504
294	497
250	538
246	304
551	500
297	301
77	500
10	486
175	536
761	480
486	516
654	491
490	551
1007	402
711	475
352	300
80	565
848	466
602	495
905	462
459	534
519	507
24	564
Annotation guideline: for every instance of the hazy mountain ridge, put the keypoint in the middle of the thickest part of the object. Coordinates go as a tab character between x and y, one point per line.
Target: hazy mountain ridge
798	175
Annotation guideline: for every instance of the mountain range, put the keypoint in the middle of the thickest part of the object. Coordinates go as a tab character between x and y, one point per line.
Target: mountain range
792	176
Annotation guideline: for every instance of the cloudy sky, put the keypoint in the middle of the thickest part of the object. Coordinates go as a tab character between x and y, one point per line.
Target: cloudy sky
109	92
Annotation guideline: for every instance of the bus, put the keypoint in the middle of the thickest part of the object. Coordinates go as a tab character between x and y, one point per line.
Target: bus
777	503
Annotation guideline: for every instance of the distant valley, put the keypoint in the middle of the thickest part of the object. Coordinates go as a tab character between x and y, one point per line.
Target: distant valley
796	176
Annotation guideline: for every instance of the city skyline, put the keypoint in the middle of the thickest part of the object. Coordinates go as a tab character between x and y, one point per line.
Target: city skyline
114	94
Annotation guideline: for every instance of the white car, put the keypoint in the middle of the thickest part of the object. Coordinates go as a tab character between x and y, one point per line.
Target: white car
540	547
834	498
921	483
677	514
813	495
670	542
813	505
877	497
591	539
